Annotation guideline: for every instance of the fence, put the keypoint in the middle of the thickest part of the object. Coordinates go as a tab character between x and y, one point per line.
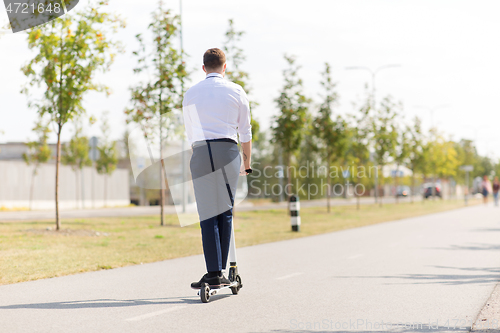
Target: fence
84	189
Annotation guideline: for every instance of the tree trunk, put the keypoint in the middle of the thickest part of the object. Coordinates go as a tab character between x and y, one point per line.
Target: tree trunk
32	185
289	177
329	193
381	184
423	197
77	189
412	185
106	190
358	203
396	181
162	219
59	129
433	187
82	187
162	222
58	162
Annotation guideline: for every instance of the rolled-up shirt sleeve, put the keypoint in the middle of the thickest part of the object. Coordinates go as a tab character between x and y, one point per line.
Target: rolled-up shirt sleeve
244	126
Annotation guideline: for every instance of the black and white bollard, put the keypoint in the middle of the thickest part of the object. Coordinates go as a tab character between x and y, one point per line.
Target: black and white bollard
294	212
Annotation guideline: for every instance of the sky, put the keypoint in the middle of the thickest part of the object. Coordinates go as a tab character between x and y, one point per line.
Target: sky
448	52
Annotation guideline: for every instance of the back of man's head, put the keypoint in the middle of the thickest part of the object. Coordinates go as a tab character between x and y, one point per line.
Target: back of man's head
214	60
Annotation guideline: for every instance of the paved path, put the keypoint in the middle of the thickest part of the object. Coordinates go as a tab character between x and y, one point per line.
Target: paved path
155	210
438	269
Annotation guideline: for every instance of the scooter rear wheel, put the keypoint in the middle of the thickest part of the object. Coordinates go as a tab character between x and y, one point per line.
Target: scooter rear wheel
205	293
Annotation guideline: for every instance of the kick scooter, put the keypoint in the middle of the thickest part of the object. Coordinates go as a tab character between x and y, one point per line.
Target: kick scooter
206	292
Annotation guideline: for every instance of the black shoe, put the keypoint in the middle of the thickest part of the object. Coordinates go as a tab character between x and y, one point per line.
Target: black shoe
213	282
224	281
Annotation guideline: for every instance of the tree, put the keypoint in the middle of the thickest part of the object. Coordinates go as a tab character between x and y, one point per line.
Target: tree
401	155
416	154
38	152
288	129
385	134
76	154
70	52
360	139
331	134
236	57
108	155
441	157
359	156
155	99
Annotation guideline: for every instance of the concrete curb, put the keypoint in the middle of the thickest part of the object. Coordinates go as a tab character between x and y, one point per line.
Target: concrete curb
488	320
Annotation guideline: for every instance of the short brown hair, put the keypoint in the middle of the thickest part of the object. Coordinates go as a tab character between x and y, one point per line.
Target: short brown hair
214	59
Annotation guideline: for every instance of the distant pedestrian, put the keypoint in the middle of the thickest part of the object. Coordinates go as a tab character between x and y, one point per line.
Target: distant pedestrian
485	188
496	188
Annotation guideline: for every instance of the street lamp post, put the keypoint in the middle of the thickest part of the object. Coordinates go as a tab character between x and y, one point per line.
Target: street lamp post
432	110
373	74
183	139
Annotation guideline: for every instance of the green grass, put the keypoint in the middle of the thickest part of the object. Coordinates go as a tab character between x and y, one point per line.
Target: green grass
28	251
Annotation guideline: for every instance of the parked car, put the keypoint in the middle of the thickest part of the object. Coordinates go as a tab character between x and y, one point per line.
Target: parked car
428	190
403	191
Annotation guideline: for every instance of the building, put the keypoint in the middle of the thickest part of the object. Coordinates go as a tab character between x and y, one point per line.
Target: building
21	188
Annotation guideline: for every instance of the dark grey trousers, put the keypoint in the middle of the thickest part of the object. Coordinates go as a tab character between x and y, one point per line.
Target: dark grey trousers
215	167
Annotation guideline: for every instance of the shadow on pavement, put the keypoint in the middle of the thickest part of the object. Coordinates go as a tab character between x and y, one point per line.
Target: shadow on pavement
401	330
472	246
483	275
110	303
487	230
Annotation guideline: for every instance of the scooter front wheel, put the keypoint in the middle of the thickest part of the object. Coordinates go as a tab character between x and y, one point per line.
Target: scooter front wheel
237	288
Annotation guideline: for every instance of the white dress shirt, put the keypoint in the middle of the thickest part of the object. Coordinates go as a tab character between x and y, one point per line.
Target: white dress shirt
216	108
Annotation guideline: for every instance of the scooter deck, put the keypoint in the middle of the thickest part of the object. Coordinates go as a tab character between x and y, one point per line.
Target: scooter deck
215	291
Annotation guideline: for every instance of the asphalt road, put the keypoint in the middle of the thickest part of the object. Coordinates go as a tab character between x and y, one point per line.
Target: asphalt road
432	273
12	216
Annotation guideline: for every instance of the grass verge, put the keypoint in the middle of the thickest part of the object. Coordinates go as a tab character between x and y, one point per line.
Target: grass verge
33	250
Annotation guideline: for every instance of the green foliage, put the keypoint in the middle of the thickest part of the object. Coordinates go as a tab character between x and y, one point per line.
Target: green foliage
288	129
467	155
235	57
165	71
360	135
441	156
76	152
38	151
415	161
332	134
403	148
108	152
69	52
154	100
385	132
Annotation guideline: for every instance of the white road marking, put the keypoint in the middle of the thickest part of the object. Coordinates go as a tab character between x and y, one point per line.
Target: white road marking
156	313
289	276
356	256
